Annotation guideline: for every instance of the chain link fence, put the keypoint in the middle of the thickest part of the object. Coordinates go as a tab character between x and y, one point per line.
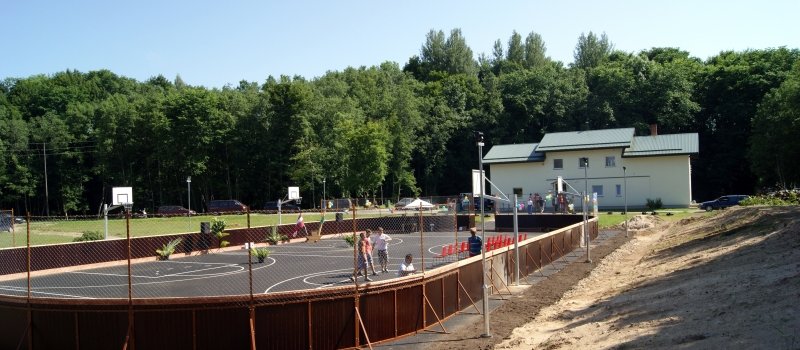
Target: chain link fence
288	271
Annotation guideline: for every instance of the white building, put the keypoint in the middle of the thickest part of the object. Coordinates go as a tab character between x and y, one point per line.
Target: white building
651	167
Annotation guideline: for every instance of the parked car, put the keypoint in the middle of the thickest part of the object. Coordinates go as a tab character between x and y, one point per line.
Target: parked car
722	202
285	207
174	210
5	221
226	206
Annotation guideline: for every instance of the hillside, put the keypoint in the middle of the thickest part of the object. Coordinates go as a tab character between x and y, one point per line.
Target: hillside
732	279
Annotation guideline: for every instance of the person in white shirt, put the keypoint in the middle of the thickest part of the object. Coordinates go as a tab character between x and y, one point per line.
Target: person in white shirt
407	268
380	244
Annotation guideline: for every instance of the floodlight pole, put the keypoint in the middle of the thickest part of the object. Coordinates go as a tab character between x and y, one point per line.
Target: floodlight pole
625	188
486	332
585	162
324	198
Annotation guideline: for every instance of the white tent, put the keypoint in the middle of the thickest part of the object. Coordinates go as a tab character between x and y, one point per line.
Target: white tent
417	204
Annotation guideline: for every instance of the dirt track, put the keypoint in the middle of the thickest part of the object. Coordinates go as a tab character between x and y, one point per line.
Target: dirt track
727	281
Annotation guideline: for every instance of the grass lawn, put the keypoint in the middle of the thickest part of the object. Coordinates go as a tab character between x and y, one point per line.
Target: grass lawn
63	231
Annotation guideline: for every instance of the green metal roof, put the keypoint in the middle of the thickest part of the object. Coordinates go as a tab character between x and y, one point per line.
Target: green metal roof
525	152
644	146
589	139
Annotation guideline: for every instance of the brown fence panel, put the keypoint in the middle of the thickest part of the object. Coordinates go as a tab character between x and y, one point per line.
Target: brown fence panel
433	290
546	251
333	323
471	277
450	294
223	328
163	329
283	326
60	326
409	309
377	311
100	330
13	324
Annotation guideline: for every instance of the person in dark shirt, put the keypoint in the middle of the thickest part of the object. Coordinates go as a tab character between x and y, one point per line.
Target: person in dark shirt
475	243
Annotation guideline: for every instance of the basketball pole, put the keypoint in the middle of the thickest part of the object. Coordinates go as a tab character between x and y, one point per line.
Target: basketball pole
486	332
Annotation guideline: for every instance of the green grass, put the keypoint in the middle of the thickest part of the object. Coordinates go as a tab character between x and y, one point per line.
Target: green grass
64	231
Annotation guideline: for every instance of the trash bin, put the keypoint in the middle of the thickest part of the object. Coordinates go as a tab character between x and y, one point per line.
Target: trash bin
339	216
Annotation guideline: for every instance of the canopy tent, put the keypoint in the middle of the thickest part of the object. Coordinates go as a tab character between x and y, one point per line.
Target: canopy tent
418	204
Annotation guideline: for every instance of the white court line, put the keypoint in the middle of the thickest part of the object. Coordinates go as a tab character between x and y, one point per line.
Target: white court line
44	293
304	277
273	261
160	276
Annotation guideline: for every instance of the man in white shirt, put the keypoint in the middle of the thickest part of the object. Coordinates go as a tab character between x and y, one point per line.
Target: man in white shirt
407	268
380	244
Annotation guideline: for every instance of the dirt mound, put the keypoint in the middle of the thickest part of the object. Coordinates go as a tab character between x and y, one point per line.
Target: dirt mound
732	278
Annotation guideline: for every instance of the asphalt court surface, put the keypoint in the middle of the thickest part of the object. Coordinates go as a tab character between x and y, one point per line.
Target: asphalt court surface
294	266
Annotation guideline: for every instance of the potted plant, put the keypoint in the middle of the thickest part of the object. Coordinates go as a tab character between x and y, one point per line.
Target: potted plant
218	230
260	253
273	237
167	249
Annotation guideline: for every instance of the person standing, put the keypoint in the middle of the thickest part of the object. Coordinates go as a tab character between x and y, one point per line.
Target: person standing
406	268
474	242
530	203
368	244
362	258
382	246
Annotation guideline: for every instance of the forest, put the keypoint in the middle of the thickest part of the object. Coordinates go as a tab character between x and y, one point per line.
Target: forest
387	131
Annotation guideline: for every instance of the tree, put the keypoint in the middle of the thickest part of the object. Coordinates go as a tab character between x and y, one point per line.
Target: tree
535	51
592	51
774	142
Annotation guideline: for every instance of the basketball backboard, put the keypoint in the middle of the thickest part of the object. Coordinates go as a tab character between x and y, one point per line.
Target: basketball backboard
121	195
476	182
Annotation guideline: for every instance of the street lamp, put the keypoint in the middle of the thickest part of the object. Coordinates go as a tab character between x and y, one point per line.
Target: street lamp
585	163
625	188
324	198
189	194
486	333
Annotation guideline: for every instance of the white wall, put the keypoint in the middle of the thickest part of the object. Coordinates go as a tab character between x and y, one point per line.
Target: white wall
665	177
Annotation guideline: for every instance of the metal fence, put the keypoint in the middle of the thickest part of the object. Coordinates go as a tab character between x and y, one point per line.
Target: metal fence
212	291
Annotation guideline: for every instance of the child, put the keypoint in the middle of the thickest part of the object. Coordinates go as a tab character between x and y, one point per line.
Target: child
407	268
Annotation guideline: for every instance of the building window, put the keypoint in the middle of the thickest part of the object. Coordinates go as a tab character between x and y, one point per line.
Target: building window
619	190
580	162
610	162
558	164
598	189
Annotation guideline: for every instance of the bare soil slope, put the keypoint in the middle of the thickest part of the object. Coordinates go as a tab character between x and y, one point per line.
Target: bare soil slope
727	281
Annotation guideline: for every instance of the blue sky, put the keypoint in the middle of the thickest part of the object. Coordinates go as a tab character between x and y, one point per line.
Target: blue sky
214	43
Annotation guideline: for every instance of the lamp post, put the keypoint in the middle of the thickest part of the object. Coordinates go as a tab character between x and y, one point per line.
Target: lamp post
324	198
486	333
585	162
625	189
189	194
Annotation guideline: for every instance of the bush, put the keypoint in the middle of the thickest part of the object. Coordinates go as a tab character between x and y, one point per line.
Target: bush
654	205
350	239
777	198
89	236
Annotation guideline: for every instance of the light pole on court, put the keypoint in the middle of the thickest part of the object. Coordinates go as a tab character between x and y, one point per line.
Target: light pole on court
486	333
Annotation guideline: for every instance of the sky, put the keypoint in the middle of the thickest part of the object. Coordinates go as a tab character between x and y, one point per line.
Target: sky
218	43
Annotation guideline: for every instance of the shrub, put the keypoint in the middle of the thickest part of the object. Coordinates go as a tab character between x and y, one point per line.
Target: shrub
218	230
260	253
273	237
89	236
350	239
168	248
654	205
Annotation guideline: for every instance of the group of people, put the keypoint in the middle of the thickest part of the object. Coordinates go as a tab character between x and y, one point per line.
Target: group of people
369	243
559	202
